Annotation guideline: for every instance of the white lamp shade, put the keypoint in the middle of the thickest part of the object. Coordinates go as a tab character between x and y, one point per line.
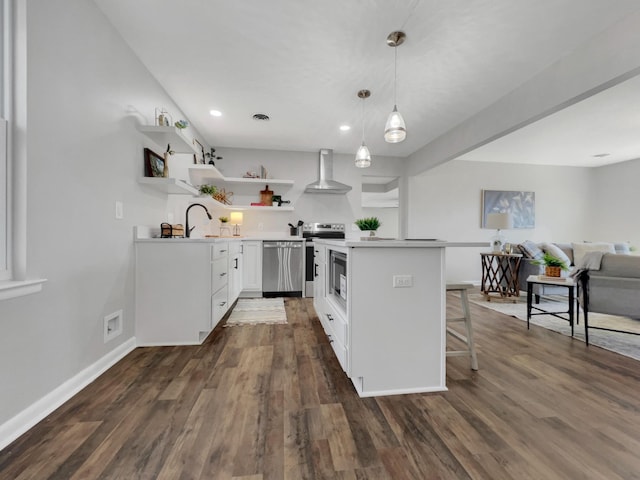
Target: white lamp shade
236	218
395	130
499	221
363	157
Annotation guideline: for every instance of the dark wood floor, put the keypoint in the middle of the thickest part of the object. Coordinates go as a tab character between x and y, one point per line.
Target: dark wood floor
271	402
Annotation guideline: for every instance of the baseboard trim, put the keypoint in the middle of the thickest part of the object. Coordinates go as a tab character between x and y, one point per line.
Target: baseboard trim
23	421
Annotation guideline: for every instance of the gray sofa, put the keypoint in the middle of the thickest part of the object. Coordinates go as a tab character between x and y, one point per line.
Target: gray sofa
615	287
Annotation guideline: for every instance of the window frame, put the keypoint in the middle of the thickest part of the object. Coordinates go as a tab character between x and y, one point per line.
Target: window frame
13	97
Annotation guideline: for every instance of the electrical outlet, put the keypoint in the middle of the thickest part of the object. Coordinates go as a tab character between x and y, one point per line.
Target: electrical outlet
402	281
119	210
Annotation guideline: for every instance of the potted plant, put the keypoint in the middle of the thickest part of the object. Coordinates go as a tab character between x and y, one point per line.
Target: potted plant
553	266
208	190
370	224
223	219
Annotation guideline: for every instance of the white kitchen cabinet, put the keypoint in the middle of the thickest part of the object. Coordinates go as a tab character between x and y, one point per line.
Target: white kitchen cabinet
389	340
235	270
181	290
252	268
319	281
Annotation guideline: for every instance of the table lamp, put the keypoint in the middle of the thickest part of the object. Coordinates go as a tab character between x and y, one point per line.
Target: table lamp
499	221
236	220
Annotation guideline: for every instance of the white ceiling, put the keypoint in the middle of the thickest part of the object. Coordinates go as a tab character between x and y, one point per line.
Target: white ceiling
302	63
607	123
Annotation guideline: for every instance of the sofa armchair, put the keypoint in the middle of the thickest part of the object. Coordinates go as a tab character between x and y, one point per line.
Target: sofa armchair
532	251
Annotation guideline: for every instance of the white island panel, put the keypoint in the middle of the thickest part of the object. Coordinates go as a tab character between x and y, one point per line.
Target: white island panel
397	334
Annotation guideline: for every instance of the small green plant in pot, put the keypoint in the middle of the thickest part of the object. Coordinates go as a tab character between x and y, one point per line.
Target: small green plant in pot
553	266
370	224
223	219
208	190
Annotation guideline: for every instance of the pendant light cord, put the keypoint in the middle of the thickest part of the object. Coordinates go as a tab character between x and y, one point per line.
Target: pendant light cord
395	76
363	120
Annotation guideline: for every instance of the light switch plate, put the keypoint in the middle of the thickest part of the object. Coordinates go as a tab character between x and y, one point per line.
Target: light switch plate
402	281
119	210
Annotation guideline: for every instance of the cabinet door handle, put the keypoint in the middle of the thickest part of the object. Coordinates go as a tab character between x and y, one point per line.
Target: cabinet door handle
329	317
330	338
222	304
315	270
236	265
222	251
223	274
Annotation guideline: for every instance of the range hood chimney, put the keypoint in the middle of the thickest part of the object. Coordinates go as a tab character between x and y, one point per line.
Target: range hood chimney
325	182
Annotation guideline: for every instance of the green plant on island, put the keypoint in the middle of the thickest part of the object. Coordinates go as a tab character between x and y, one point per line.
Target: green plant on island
370	223
549	260
223	219
208	190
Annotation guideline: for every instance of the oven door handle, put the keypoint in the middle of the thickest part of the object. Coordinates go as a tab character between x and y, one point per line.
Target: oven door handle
315	270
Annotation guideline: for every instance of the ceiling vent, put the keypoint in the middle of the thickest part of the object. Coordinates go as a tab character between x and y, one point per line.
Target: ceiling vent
325	182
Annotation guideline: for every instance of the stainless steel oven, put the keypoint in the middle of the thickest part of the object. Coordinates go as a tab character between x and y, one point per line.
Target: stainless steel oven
310	231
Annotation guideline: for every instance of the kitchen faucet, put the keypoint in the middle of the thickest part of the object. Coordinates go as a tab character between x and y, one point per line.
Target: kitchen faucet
188	230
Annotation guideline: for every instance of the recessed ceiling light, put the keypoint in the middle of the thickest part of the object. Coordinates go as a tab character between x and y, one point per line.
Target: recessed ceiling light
601	155
345	128
261	117
215	113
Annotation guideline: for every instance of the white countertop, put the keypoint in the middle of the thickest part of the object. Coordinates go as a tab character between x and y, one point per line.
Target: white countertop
399	243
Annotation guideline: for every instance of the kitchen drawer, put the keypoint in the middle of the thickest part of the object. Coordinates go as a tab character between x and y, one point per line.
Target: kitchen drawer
341	352
319	253
338	326
219	305
235	247
219	250
219	273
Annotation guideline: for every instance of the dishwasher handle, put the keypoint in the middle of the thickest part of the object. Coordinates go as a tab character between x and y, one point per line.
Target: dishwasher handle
282	245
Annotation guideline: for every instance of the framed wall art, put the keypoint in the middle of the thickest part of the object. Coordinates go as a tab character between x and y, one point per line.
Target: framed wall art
153	164
521	206
199	158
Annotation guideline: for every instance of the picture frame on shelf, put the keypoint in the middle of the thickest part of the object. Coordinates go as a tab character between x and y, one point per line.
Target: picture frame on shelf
153	164
199	156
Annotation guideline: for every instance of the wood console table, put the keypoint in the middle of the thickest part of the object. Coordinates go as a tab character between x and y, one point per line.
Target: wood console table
500	275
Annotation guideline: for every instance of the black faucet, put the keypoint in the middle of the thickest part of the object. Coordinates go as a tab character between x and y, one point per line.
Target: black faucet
187	231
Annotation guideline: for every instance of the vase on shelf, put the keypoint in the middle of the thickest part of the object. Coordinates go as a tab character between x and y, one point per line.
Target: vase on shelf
372	235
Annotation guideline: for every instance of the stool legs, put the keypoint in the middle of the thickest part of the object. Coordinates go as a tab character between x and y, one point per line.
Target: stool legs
466	319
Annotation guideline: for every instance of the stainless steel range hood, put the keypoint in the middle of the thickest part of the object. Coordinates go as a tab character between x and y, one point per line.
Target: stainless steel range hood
325	182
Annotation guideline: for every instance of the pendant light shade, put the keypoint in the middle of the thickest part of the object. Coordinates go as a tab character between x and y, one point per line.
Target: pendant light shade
363	157
395	130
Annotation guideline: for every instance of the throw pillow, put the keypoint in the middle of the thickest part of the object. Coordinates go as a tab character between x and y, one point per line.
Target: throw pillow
622	248
530	250
557	252
581	249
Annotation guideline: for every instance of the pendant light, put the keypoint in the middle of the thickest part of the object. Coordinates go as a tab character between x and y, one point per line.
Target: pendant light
395	130
363	157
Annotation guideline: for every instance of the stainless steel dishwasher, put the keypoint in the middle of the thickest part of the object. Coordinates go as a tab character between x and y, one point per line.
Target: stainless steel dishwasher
282	268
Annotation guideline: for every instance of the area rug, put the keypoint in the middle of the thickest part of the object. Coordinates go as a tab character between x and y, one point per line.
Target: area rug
254	311
622	343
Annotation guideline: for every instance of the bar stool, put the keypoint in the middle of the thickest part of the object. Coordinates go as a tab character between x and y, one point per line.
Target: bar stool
466	319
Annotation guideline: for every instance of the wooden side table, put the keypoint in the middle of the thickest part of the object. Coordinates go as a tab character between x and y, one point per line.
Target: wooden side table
500	275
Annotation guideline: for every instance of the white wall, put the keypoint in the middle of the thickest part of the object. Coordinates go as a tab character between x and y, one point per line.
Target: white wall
86	94
614	202
445	203
302	168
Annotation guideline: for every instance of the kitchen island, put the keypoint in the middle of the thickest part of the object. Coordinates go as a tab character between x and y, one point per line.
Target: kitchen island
382	305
